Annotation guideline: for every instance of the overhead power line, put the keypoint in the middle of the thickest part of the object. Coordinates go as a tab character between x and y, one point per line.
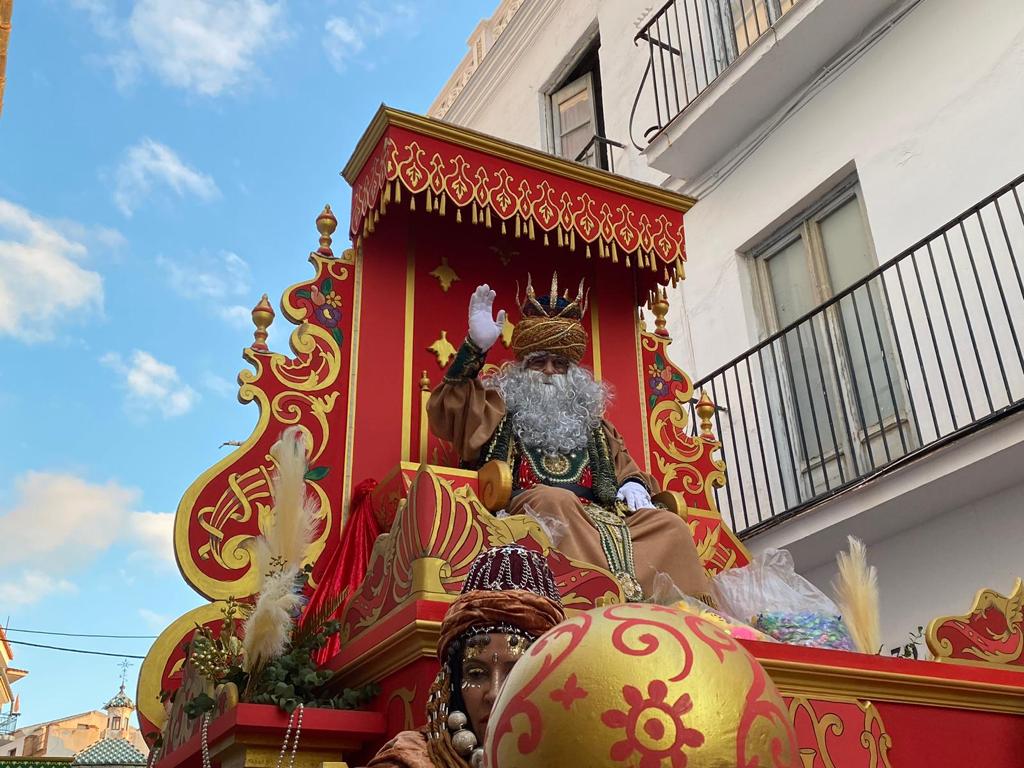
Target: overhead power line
76	650
79	634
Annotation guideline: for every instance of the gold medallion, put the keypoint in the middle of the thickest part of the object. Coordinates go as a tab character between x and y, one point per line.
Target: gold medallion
556	464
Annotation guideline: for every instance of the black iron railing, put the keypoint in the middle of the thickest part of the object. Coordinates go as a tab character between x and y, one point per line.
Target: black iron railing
924	349
598	153
689	44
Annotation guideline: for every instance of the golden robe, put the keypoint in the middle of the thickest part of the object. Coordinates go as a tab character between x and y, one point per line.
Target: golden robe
466	413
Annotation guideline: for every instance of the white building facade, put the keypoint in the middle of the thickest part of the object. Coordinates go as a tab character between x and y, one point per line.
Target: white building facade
854	301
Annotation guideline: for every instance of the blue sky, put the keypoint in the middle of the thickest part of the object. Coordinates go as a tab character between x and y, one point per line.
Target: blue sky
161	165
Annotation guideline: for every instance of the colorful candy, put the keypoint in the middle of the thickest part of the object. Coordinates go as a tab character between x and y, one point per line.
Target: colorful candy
817	630
735	628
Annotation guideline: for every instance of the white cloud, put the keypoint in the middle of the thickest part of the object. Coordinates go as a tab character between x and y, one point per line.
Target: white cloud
30	587
208	47
347	36
152	385
149	164
207	276
153	532
42	283
219	385
236	316
158	622
66	522
101	14
61	517
217	280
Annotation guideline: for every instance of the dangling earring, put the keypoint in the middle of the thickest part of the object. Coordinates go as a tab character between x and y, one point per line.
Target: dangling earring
463	739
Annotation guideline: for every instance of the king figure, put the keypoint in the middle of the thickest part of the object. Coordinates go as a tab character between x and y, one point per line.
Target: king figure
544	414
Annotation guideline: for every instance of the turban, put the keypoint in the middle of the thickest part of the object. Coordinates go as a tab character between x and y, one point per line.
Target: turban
525	610
555	335
551	323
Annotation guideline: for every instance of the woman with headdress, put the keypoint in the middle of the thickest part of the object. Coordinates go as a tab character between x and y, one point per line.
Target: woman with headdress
509	599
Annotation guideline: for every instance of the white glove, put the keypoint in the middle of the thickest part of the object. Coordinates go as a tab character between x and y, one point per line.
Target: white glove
484	328
635	496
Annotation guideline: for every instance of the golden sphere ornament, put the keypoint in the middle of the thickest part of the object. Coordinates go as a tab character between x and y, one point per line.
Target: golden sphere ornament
643	686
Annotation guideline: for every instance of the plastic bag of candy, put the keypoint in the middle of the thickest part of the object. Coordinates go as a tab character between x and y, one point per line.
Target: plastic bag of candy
778	601
666	592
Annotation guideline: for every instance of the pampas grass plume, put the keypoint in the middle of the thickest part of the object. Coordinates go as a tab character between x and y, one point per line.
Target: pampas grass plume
279	552
857	595
268	628
295	517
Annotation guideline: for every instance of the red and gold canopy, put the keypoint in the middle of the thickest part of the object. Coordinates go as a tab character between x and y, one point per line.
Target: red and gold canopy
406	158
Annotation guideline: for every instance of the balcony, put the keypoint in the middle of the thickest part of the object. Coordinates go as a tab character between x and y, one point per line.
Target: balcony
922	352
717	69
597	153
8	723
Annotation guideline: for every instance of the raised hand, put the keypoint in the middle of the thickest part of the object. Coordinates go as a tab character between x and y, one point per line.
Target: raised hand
484	328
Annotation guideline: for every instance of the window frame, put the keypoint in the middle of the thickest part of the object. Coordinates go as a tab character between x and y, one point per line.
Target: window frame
805	227
572	86
587	63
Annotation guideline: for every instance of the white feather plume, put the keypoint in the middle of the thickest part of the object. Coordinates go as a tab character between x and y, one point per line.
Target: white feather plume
278	553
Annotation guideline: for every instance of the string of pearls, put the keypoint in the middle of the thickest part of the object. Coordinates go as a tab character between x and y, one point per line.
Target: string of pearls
154	756
204	739
294	720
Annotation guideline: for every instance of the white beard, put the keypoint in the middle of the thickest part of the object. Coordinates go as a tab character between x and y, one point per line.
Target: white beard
555	414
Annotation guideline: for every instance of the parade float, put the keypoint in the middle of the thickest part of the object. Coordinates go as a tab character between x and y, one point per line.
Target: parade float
437	210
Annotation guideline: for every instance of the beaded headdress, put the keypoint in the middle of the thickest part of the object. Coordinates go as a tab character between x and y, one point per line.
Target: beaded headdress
551	323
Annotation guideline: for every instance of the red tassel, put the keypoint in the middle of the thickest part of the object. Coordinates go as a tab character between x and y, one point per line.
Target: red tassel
347	563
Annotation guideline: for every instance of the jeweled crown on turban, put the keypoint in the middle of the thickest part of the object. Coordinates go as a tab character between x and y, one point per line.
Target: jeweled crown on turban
551	323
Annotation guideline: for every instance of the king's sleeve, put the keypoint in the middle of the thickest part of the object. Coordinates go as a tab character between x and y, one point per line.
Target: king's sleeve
463	411
625	467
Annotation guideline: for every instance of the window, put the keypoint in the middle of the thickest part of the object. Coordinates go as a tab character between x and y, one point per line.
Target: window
843	395
115	723
576	116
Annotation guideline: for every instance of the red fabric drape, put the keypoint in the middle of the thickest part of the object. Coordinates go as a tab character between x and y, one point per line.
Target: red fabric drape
347	565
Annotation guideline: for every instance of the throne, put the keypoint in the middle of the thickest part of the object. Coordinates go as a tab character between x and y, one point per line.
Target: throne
437	210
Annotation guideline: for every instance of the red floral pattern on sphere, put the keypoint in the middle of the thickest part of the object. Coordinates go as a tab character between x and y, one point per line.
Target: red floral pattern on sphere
653	728
643	686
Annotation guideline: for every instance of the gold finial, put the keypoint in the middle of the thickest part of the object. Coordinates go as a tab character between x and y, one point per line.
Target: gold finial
553	298
658	303
424	382
262	317
326	223
706	411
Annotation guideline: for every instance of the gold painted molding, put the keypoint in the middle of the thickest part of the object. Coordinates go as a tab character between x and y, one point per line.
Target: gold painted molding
507	150
815	681
416	640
